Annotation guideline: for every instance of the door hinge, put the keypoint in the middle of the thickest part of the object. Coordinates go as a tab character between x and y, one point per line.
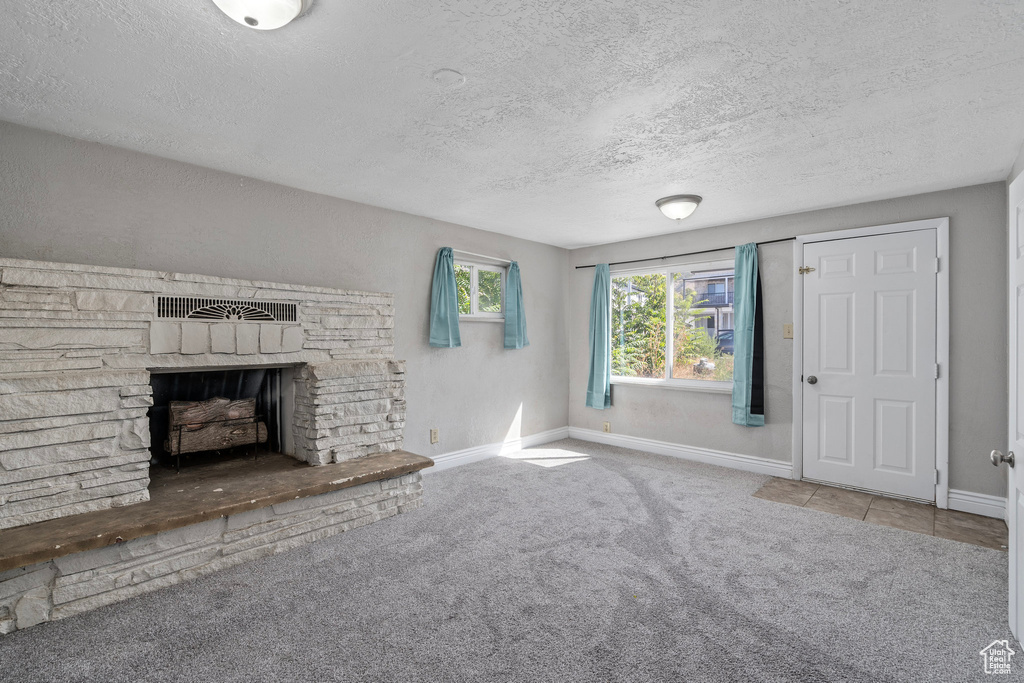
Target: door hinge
936	477
937	265
937	372
803	270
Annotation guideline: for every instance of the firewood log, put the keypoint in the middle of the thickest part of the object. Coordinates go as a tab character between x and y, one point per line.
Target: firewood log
210	425
215	436
188	412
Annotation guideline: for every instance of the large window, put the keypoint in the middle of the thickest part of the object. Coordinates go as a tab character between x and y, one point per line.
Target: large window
674	326
479	288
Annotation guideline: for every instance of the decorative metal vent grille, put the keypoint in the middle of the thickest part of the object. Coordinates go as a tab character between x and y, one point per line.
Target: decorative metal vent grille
194	308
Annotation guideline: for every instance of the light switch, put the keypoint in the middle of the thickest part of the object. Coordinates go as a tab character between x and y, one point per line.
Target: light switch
787	331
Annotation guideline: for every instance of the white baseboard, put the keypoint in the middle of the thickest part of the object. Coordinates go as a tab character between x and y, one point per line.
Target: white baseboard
492	450
964	501
748	463
977	503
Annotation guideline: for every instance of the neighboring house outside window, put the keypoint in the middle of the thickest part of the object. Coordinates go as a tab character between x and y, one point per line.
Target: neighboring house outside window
714	295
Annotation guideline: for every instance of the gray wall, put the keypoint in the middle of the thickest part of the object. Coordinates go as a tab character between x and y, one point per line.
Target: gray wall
978	356
77	202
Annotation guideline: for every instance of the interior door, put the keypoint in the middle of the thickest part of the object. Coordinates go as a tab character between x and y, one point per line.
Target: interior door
1015	499
869	366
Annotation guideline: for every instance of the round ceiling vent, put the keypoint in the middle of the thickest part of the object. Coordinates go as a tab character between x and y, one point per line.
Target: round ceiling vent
263	14
448	78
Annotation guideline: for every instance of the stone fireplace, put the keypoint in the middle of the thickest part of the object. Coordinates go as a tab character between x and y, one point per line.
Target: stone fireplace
82	347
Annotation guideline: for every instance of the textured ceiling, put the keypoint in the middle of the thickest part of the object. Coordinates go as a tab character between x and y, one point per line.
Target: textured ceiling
570	117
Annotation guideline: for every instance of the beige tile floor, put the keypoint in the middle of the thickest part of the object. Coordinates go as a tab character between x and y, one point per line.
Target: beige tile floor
900	514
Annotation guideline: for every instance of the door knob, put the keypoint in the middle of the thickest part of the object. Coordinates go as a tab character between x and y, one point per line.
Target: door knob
812	380
996	457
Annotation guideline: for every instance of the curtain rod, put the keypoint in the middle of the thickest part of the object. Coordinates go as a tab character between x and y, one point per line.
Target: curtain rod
489	258
689	253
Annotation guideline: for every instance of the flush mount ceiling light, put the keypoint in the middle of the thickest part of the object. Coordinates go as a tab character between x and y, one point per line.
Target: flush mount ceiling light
678	206
262	14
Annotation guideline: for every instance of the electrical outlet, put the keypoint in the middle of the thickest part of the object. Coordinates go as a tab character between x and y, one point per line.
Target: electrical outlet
434	436
608	427
787	331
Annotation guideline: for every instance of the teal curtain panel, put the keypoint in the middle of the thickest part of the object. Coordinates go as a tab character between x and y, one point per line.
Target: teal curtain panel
599	382
748	341
515	316
444	303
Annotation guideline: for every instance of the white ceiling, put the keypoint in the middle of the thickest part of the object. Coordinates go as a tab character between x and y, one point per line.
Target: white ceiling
574	116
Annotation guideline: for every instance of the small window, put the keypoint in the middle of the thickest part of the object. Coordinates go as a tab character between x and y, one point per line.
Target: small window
480	290
674	326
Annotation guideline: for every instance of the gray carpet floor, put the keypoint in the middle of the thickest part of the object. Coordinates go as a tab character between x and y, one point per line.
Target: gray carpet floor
612	565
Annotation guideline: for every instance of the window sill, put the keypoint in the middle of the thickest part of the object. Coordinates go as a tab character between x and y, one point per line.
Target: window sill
706	386
481	318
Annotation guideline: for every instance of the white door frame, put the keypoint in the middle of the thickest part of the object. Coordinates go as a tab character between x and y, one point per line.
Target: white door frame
1012	511
941	228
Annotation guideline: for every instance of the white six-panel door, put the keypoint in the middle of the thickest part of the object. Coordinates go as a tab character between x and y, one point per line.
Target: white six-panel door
869	312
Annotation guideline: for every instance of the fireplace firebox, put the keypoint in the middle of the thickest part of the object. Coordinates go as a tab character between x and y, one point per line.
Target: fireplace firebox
214	414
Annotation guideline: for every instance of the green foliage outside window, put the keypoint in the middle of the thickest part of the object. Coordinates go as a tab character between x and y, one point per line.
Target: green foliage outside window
490	291
464	285
638	325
